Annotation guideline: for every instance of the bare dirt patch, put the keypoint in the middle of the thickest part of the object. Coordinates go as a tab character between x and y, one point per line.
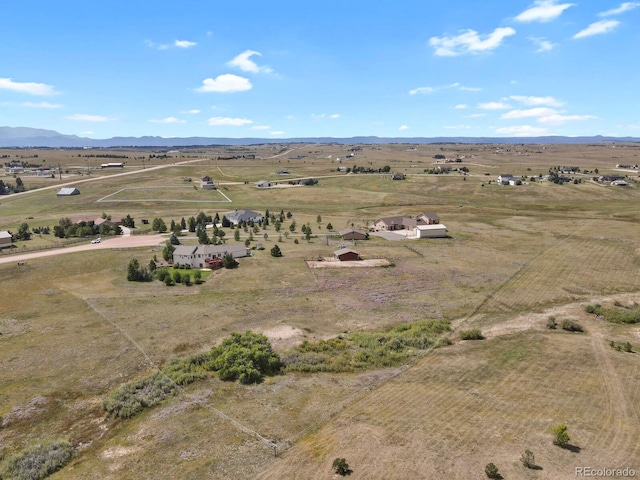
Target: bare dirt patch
333	263
284	336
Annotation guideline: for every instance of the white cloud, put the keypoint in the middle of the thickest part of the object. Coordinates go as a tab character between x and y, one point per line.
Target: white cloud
557	119
83	117
403	127
42	105
31	88
243	62
522	130
168	120
443	87
542	44
543	11
597	28
227	83
260	127
322	115
278	132
226	121
623	8
528	113
494	106
193	111
468	41
184	44
461	106
534	101
476	115
456	127
421	90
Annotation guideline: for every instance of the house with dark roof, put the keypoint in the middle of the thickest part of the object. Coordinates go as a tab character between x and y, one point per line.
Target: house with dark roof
353	234
244	216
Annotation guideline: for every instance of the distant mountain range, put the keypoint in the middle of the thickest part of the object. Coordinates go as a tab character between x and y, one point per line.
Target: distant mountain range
25	137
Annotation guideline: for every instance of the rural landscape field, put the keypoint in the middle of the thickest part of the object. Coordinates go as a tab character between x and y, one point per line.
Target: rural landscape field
530	304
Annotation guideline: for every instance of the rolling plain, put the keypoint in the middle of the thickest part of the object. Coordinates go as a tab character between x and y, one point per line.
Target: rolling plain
72	328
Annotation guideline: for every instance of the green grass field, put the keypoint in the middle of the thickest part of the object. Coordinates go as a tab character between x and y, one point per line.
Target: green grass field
72	328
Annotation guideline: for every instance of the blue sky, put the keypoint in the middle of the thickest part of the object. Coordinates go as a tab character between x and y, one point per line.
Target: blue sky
286	69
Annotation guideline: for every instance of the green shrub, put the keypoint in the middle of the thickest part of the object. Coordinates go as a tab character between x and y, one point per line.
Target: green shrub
473	334
571	326
560	435
132	397
37	461
246	357
491	471
359	350
551	323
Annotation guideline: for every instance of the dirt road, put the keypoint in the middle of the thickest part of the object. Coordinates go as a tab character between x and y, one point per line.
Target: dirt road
125	241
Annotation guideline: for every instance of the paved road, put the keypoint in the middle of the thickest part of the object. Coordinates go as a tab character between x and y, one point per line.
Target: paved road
125	241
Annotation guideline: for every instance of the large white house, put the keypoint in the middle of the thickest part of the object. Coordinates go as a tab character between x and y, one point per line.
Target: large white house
195	256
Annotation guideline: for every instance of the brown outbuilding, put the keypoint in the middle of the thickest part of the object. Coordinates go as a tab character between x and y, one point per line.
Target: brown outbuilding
347	255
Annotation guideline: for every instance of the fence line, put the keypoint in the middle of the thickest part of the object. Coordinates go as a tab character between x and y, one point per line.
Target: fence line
26	249
269	443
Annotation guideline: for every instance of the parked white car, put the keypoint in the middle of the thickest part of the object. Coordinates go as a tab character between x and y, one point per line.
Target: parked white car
96	240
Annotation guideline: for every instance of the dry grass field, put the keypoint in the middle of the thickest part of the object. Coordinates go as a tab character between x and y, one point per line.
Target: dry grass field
72	328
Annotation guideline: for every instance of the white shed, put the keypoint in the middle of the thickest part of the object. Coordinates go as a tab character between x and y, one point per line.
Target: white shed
437	230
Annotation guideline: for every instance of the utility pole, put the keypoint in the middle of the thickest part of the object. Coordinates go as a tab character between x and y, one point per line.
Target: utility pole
60	171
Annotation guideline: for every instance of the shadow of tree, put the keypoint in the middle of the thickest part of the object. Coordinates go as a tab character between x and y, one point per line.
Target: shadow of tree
571	448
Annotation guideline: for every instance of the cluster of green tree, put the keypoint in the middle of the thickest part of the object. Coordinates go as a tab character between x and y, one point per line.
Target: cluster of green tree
67	229
361	350
7	188
175	276
137	273
41	230
128	222
357	169
618	314
37	461
104	155
23	232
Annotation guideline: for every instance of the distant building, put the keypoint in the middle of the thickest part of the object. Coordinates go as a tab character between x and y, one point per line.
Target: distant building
264	184
112	165
243	216
430	231
398	176
346	255
207	183
65	192
353	234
